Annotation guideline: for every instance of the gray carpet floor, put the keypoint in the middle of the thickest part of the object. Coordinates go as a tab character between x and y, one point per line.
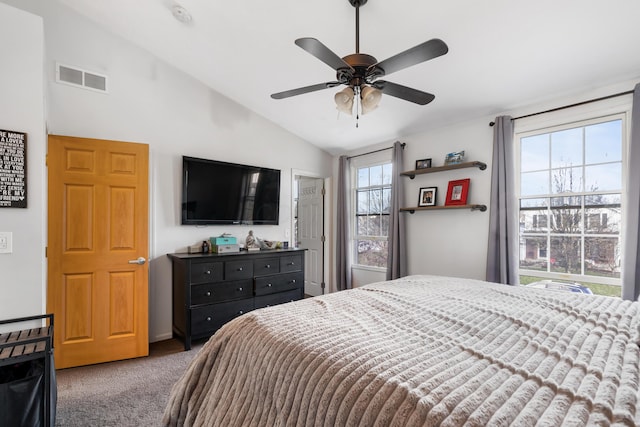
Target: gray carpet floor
125	393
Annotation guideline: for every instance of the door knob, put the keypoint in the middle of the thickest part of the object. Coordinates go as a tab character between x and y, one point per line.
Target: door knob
138	261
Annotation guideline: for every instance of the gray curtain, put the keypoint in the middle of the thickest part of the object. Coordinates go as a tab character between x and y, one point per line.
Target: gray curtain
343	264
502	251
631	251
397	256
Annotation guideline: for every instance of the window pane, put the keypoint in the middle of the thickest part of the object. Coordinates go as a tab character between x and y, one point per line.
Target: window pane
372	253
387	171
363	177
565	255
533	253
602	256
603	177
603	214
375	201
385	224
362	226
374	225
386	200
534	153
375	175
566	148
533	183
566	180
603	142
566	215
362	201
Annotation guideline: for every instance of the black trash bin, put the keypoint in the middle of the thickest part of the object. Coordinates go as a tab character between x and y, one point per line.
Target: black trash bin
27	376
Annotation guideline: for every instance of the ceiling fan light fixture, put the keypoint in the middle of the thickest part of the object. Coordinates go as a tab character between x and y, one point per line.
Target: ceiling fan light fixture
344	100
370	98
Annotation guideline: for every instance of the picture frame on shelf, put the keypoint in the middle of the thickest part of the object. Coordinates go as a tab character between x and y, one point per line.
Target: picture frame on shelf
423	164
457	192
427	196
454	158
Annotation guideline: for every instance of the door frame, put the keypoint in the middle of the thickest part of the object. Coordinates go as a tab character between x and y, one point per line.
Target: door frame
326	219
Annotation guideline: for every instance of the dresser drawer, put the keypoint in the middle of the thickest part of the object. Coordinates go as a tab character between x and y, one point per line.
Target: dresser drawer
208	318
279	283
291	263
275	299
265	266
202	272
235	270
209	293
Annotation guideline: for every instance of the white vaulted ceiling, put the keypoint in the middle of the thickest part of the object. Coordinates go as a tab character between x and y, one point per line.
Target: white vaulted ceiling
502	54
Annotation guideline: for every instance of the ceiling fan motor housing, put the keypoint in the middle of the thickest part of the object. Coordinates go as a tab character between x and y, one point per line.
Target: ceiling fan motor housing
356	3
360	63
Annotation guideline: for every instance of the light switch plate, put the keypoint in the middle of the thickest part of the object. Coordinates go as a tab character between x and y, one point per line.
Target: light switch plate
6	242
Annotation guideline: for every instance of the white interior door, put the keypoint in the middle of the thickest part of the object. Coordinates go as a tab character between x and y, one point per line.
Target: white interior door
311	232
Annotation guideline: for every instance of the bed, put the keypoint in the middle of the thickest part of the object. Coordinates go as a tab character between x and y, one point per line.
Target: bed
420	351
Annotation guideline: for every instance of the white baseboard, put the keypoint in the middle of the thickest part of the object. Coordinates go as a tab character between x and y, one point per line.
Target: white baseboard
161	337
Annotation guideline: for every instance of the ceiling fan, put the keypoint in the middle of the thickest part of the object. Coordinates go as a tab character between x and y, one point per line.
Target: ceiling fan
360	72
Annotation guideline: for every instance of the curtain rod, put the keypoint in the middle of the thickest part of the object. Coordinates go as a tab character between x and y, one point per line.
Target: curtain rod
375	151
571	105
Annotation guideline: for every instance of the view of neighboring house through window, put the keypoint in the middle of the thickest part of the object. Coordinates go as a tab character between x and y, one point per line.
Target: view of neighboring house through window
372	201
571	204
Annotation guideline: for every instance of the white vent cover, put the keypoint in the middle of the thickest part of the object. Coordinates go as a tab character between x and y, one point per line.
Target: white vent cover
77	77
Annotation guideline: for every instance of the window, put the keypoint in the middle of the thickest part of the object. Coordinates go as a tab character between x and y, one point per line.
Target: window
571	204
372	198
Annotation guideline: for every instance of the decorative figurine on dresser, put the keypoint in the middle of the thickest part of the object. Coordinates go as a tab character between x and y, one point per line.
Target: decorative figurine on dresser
211	289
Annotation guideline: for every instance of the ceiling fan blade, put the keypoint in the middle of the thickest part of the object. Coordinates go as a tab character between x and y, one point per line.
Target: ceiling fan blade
302	90
323	53
417	54
403	92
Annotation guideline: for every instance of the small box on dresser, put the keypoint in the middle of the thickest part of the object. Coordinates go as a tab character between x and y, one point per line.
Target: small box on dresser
209	290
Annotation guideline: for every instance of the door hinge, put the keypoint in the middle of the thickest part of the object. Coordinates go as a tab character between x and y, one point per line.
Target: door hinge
323	192
46	251
46	160
322	239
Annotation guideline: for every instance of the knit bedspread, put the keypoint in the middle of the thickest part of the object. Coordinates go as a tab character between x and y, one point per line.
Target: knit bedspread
420	351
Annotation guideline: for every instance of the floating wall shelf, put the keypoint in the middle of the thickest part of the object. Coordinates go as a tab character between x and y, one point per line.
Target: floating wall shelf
412	174
480	208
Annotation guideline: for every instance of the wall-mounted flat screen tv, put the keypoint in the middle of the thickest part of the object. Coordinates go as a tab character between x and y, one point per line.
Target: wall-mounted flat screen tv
216	192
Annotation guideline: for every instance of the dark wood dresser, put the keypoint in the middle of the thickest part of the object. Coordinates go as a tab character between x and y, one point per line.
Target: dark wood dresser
211	289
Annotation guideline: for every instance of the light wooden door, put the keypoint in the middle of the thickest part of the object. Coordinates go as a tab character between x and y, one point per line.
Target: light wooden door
311	232
97	247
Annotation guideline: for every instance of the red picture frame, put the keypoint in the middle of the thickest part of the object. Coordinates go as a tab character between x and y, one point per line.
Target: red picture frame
457	192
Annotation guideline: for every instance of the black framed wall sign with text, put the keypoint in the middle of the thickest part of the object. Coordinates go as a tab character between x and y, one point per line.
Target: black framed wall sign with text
13	169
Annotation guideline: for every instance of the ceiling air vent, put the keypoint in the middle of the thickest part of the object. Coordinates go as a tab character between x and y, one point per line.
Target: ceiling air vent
81	78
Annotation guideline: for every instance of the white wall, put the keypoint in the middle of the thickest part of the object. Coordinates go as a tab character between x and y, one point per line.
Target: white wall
22	273
151	102
449	242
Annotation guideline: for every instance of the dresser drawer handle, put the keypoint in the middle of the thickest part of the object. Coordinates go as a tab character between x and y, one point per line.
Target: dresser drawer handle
207	272
292	263
241	312
240	268
269	285
209	319
239	289
268	266
208	293
293	281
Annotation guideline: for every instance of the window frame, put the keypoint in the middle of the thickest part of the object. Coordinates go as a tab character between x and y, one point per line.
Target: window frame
598	112
365	161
